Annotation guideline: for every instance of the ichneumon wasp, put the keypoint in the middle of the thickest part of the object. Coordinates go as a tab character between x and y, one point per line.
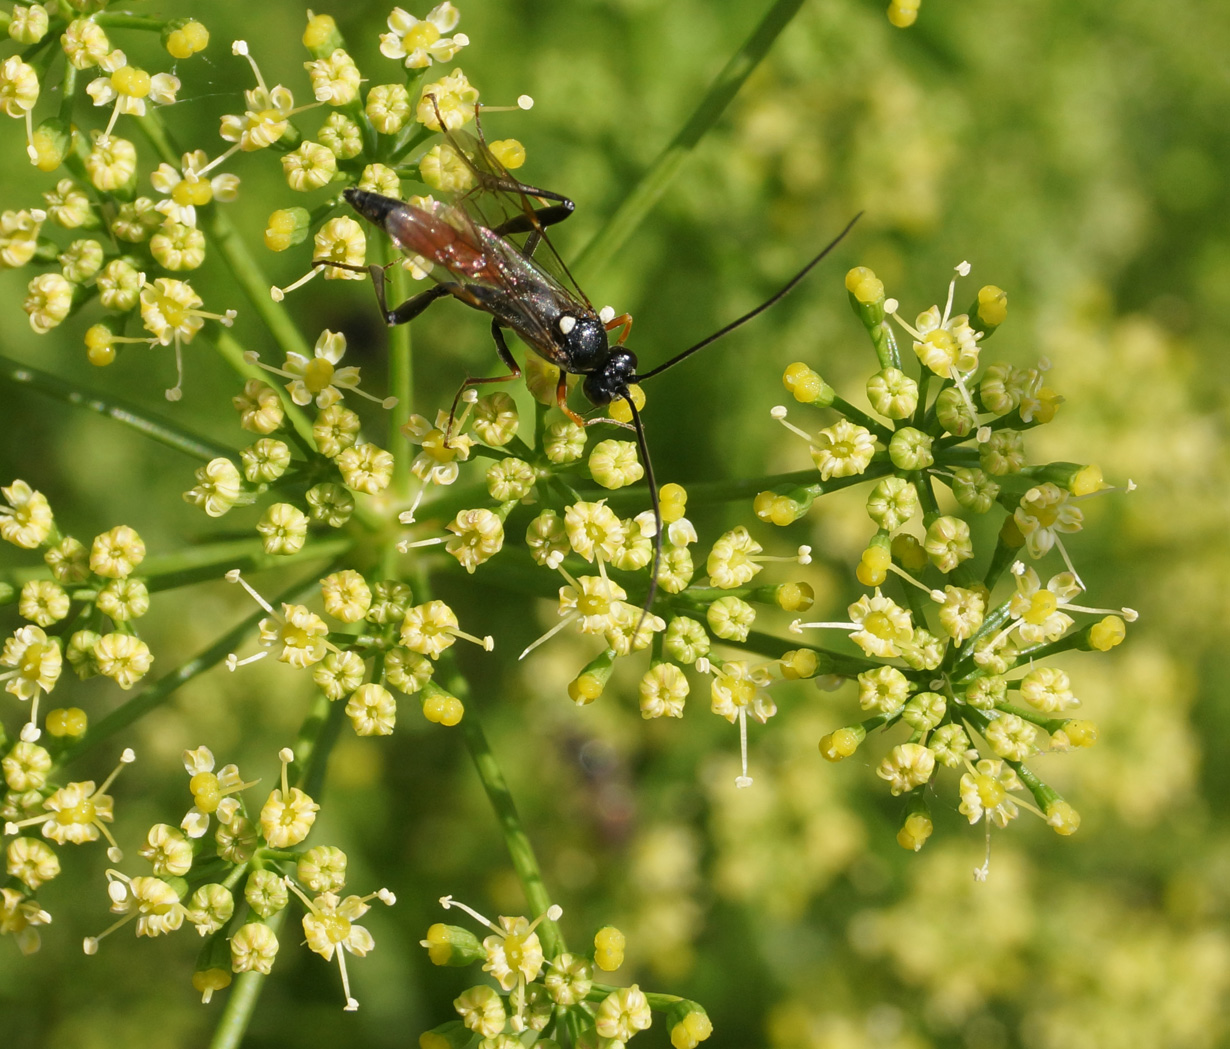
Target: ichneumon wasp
552	315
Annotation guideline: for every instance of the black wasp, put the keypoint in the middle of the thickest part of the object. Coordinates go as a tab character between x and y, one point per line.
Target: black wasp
552	315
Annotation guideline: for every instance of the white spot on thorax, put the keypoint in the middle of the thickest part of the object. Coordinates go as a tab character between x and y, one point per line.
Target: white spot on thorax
567	323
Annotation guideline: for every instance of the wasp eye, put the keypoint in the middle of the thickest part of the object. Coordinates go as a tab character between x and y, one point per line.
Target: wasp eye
567	323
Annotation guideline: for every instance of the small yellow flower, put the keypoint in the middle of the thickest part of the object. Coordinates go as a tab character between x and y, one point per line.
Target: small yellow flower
218	487
19	235
984	792
479	536
189	188
168	851
623	1013
309	166
482	1010
283	529
128	87
388	108
365	468
177	247
429	629
288	814
81	260
29	24
19	89
372	710
267	115
738	690
451	99
119	285
33	861
614	464
842	450
346	595
116	554
341	240
908	765
253	948
300	633
260	408
882	625
186	39
85	43
111	163
317	378
594	530
1037	610
26	521
418	42
445	170
437	462
732	561
663	691
335	79
122	657
37	662
49	300
43	602
26	766
77	813
342	135
20	916
335	430
1044	513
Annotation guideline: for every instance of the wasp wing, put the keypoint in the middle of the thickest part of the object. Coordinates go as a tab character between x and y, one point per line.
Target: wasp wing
488	272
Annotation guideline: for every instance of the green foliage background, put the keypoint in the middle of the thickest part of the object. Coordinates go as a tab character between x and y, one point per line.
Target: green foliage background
1076	154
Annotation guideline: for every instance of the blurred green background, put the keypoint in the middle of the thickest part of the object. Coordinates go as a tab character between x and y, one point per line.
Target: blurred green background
1075	154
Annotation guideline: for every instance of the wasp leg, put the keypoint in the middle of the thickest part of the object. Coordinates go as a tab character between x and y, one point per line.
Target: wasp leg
413	306
505	355
561	398
624	320
534	222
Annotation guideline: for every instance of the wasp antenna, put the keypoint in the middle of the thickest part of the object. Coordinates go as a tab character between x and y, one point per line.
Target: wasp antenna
758	310
643	447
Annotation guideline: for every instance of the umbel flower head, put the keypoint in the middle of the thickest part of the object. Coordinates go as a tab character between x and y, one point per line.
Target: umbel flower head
951	665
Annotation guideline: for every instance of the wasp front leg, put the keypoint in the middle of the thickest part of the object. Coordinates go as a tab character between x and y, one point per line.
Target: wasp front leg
624	320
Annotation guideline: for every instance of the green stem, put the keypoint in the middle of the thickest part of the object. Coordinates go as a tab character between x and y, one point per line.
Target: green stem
662	172
401	377
121	411
122	20
241	1002
207	563
521	852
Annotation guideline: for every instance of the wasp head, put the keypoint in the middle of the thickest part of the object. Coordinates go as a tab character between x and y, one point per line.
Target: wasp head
612	378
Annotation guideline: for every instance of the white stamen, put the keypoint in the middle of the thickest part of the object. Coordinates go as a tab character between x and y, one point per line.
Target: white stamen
744	780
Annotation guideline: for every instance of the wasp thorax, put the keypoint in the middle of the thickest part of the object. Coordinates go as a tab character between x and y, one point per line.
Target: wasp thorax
612	379
583	340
